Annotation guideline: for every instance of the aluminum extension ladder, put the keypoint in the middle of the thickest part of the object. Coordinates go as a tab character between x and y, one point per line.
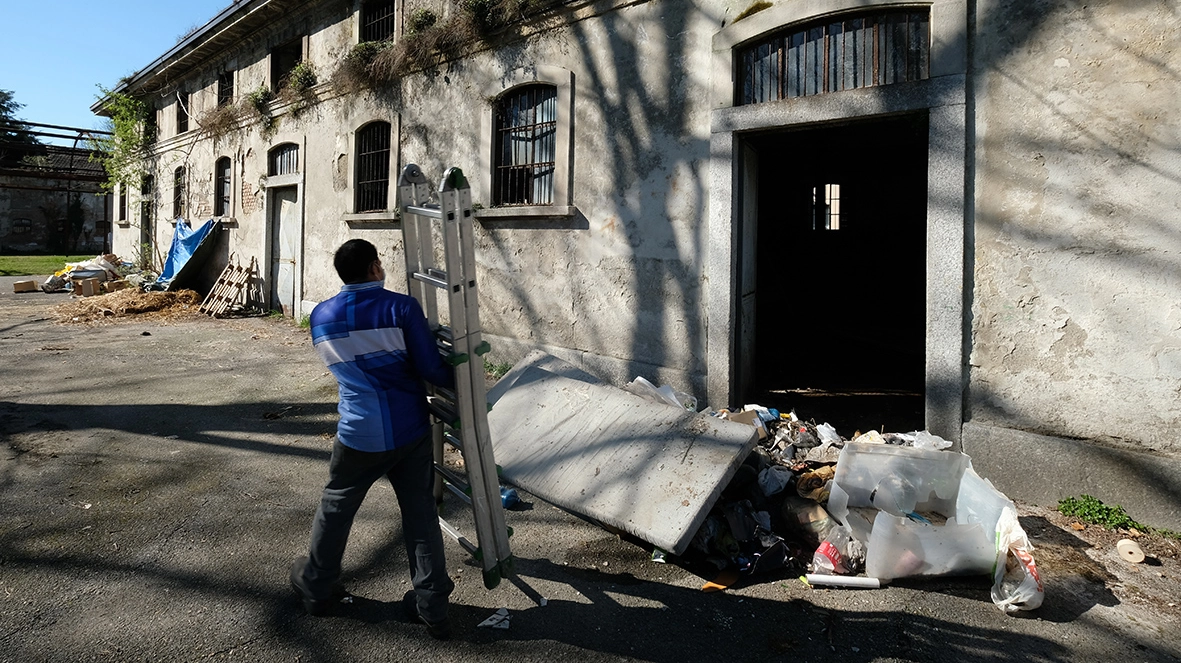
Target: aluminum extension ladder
460	418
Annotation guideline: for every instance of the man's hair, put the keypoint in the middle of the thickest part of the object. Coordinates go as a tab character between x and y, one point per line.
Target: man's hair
353	259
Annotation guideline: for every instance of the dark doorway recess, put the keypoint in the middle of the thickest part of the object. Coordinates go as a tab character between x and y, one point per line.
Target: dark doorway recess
840	315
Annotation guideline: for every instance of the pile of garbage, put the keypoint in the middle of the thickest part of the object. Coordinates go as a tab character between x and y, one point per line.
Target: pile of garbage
107	272
862	512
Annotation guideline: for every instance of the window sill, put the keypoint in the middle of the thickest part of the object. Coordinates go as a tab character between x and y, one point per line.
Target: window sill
227	221
372	220
123	224
380	217
528	212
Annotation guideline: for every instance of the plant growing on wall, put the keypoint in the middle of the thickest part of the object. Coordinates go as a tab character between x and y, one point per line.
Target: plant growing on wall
429	40
133	130
220	120
297	87
420	20
258	104
353	73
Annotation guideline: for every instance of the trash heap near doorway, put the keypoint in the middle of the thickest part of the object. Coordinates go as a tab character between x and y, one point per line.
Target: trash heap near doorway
890	505
753	490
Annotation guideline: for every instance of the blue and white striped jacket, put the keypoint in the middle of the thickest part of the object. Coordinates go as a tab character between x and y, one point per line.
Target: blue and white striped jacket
378	345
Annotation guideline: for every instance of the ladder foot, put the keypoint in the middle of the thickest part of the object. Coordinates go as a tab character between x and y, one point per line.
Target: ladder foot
492	577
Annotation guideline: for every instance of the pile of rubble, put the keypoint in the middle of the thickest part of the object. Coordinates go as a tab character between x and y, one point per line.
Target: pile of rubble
862	512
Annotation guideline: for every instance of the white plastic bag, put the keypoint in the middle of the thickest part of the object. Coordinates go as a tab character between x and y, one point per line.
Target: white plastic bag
663	394
1016	583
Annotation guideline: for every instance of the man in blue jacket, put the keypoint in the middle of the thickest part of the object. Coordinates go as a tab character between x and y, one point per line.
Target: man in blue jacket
380	348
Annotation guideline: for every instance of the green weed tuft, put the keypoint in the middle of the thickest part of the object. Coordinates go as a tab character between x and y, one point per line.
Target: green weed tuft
1094	512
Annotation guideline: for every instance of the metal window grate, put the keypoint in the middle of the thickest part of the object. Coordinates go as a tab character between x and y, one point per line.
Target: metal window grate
373	167
526	146
283	160
878	49
225	88
377	21
178	193
221	187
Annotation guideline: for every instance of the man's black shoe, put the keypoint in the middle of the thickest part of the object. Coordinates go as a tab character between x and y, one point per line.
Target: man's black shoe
438	630
314	607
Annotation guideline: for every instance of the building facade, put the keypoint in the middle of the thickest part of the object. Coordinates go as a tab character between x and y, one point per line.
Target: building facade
975	202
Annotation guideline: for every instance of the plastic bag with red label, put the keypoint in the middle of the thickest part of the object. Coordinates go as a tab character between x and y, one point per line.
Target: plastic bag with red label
1016	583
839	553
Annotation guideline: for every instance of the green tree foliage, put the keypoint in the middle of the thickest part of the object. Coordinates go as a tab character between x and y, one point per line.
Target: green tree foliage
133	130
13	130
15	142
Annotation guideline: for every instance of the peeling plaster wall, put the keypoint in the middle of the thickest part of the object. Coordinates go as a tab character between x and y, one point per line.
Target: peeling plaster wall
1076	315
617	287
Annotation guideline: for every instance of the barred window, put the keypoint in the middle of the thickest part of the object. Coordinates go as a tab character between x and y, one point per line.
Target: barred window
377	20
525	125
178	193
221	187
122	201
373	167
830	56
225	88
283	160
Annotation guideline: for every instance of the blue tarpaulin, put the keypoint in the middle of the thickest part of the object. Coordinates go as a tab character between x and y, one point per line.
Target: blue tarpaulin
184	244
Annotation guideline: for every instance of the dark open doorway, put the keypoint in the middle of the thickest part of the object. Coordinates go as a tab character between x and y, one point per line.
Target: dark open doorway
839	309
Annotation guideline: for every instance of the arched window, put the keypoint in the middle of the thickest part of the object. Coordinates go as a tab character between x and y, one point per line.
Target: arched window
283	160
525	126
835	54
373	167
178	192
221	187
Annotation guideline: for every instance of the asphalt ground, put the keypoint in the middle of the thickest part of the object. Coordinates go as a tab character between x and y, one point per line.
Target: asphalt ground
157	478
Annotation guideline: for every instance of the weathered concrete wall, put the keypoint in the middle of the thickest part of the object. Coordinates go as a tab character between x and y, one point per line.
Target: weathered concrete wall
20	199
1076	318
1076	321
616	286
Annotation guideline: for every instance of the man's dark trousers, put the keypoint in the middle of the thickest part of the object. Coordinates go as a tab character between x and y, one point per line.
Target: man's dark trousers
410	471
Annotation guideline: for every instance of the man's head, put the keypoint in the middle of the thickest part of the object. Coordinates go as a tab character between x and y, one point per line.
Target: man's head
356	262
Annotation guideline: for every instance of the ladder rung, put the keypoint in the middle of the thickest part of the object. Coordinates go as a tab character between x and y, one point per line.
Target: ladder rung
455	490
455	481
454	533
443	411
440	283
428	212
453	440
447	395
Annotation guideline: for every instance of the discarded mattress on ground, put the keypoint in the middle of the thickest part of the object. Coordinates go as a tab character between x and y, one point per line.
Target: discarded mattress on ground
651	469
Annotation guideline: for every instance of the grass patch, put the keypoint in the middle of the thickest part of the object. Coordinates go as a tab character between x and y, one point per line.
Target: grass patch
1094	512
496	369
35	265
